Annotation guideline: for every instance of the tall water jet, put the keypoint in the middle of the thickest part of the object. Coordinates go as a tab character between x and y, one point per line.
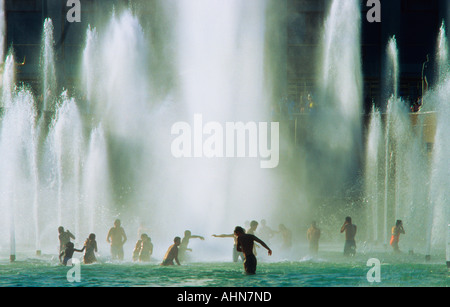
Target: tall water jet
221	63
65	140
2	31
438	110
89	70
439	213
96	186
48	67
407	170
391	92
119	102
373	185
442	53
220	59
8	76
336	129
123	94
393	70
18	177
439	196
444	70
448	247
18	149
8	81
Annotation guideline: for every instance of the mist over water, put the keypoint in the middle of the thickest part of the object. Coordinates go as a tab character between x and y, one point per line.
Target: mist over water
106	154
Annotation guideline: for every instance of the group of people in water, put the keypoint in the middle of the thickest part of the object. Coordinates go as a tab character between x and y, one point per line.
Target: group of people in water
67	248
350	229
244	243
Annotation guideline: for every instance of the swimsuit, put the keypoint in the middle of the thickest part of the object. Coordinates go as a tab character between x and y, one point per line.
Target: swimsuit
250	264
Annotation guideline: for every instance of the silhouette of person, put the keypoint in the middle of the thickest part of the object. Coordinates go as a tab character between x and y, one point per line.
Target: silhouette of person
396	231
245	244
64	238
350	233
137	249
184	243
117	238
313	236
286	235
146	249
90	247
265	233
172	253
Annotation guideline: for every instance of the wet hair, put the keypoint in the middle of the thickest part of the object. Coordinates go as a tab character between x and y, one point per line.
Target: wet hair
177	239
239	229
348	219
69	244
253	223
92	236
398	223
60	229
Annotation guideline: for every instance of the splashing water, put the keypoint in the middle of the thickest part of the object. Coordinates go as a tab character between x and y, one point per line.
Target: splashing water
107	155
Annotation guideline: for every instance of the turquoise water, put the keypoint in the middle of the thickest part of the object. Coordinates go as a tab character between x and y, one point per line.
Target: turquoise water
328	270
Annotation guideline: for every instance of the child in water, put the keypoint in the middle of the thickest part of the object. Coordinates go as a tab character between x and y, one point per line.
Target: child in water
67	253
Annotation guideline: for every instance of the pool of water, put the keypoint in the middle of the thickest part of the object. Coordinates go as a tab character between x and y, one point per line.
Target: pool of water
330	269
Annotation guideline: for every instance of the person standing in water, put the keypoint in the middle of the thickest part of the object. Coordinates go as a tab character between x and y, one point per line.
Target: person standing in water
137	249
245	244
265	233
286	235
252	229
64	238
146	249
90	247
184	243
396	231
313	236
117	238
172	253
350	233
